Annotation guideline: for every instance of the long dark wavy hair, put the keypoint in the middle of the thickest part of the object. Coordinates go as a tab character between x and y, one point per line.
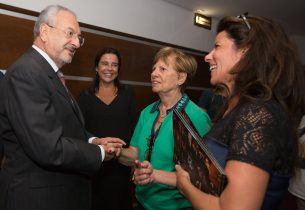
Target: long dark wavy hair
96	80
270	67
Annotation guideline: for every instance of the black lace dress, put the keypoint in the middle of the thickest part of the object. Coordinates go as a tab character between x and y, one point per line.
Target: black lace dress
260	134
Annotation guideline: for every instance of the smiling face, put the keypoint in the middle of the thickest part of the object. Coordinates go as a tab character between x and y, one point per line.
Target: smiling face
108	68
56	43
165	78
222	59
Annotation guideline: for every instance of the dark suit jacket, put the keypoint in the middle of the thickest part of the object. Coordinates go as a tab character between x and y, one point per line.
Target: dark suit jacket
48	157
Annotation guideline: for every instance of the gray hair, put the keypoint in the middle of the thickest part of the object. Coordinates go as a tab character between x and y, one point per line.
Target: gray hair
48	15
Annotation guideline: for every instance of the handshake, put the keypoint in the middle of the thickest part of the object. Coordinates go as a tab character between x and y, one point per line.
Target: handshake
112	146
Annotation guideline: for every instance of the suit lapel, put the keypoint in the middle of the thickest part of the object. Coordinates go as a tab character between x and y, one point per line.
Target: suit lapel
68	96
76	108
57	84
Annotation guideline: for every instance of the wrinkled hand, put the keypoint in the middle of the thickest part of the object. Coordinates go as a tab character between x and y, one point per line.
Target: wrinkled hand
182	178
112	146
144	173
111	151
106	140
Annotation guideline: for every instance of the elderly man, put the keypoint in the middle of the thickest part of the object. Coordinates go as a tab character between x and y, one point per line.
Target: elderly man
48	159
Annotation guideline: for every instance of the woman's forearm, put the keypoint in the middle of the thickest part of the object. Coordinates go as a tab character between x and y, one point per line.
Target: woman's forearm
128	156
164	177
195	196
145	174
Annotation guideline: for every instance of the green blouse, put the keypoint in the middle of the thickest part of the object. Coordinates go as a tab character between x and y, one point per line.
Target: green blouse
157	196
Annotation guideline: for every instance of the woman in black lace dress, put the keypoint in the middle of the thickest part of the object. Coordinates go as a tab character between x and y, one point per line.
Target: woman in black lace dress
257	64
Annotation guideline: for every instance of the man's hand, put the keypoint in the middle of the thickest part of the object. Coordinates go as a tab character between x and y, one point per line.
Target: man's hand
106	140
112	146
110	151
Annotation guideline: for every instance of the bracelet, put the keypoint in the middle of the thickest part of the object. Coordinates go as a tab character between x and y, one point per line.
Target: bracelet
133	179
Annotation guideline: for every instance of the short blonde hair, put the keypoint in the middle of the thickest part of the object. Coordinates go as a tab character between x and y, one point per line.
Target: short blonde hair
183	62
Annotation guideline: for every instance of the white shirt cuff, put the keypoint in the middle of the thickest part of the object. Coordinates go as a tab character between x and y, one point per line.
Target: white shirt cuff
91	139
102	152
101	148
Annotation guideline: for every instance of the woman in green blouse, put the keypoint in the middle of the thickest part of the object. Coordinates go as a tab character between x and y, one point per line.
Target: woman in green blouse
153	142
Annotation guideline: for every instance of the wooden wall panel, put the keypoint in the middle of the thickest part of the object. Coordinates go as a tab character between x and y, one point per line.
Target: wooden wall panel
17	36
136	58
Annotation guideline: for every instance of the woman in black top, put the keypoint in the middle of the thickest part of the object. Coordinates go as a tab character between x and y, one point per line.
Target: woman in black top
109	109
258	66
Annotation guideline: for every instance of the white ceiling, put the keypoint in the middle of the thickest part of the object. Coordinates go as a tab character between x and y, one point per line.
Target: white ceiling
291	14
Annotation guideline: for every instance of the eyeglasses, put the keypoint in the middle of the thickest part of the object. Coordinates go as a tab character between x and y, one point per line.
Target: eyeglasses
69	34
244	18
